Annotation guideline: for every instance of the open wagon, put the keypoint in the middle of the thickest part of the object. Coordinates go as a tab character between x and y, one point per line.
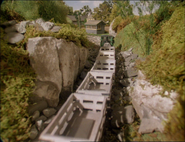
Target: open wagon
81	118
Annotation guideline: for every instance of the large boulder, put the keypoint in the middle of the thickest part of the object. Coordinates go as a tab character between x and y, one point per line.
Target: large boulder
83	57
44	60
69	55
151	107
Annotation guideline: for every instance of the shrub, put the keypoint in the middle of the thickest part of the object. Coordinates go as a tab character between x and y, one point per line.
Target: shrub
17	82
76	35
53	9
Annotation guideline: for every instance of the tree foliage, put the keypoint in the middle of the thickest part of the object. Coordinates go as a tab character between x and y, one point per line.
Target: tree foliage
103	11
125	9
32	10
85	10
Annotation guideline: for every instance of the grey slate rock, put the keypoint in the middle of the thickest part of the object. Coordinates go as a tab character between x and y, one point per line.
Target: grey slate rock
55	29
134	56
42	117
121	136
126	54
149	123
125	82
130	72
39	27
83	74
129	114
47	25
130	49
88	65
9	23
121	115
33	132
36	115
128	59
13	37
11	29
41	105
126	64
49	112
46	123
117	117
39	21
21	27
117	92
39	125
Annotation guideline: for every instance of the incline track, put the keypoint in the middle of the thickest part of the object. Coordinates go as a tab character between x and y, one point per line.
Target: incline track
82	116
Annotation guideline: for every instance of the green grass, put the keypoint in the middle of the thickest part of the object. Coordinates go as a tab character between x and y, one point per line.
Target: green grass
130	38
17	83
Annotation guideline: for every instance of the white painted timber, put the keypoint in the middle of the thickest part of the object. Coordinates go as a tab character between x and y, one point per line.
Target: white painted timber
106	55
104	48
106	65
81	118
96	83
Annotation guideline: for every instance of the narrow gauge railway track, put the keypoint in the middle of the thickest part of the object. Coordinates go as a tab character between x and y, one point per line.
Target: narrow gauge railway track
82	116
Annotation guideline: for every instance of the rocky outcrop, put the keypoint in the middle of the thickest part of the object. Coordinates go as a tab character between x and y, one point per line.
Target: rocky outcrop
44	60
151	107
57	64
15	31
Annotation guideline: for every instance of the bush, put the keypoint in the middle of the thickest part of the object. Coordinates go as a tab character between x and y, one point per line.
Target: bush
76	35
17	82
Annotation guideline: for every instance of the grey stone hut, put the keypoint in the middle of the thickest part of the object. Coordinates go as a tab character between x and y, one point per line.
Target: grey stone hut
94	26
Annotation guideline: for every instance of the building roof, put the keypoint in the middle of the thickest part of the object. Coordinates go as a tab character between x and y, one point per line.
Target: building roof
94	22
90	16
72	17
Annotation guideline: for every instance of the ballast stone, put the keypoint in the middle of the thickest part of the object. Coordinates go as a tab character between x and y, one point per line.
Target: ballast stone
33	132
49	112
36	115
41	105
